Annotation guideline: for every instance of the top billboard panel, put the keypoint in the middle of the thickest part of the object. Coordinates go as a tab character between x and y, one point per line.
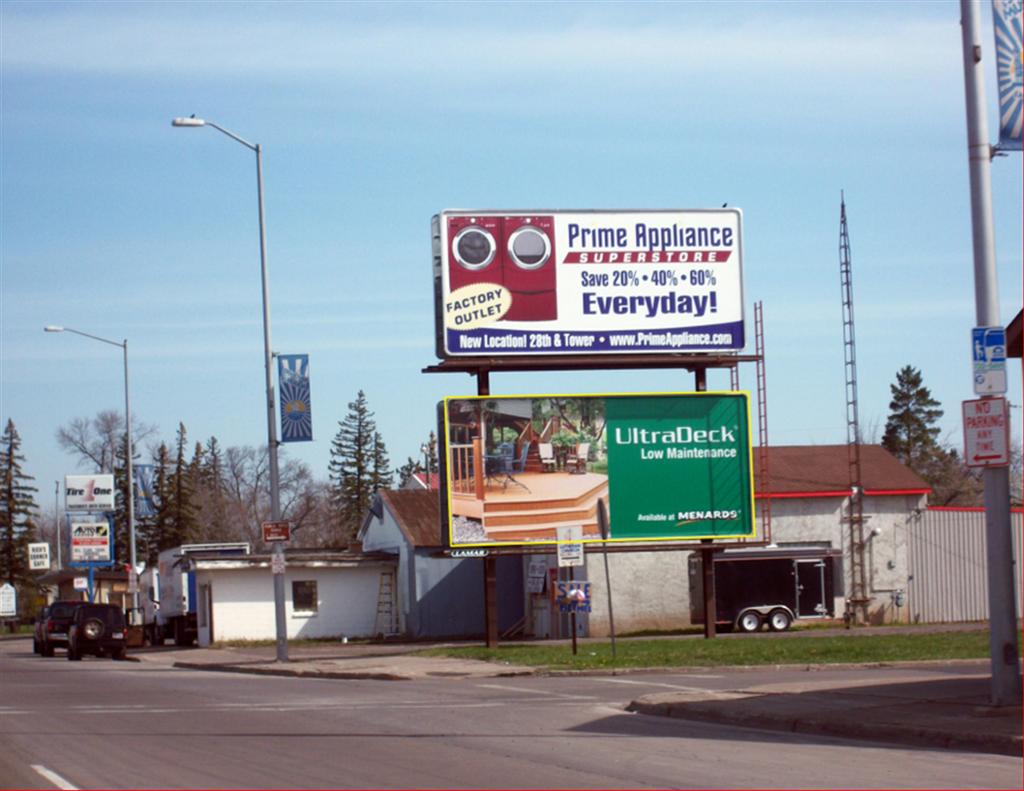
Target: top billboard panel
588	282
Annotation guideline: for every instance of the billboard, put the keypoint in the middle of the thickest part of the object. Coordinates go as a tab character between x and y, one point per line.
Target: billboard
668	467
587	282
89	492
91	540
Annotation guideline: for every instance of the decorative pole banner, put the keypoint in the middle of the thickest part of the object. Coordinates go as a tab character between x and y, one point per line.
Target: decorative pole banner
1006	16
293	381
145	505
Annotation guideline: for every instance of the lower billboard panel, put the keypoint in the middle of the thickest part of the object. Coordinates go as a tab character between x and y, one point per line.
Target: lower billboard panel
669	467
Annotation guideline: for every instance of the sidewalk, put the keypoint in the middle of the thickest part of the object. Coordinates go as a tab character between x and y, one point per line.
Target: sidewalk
945	709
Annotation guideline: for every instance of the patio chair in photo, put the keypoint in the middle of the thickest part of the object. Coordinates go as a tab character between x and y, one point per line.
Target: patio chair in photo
547	456
512	467
577	459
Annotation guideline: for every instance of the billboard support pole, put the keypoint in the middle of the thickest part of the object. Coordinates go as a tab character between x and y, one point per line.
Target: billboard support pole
707	554
602	521
483	387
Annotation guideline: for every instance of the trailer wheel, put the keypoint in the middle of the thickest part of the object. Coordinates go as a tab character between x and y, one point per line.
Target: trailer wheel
779	620
749	621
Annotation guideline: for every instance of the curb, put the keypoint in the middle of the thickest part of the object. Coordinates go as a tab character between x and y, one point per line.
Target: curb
914	737
296	672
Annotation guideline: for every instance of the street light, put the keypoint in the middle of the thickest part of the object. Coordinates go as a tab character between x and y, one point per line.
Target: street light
129	472
275	497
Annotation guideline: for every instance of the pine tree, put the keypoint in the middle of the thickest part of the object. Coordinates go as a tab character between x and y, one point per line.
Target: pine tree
911	435
17	512
184	524
162	535
122	530
211	493
381	476
351	468
407	470
910	432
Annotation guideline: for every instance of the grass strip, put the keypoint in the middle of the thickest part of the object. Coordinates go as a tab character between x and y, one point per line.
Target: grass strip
748	650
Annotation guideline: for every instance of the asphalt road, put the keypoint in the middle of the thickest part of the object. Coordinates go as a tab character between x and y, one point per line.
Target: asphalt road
105	724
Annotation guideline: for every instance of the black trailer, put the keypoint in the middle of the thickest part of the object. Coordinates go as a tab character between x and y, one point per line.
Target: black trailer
773	586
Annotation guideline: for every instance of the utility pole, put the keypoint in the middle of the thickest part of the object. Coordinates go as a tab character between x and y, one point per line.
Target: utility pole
1002	602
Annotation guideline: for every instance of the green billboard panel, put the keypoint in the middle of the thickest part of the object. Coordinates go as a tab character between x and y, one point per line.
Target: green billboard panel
668	467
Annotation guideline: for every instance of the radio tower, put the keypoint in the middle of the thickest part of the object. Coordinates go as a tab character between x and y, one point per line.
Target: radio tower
857	602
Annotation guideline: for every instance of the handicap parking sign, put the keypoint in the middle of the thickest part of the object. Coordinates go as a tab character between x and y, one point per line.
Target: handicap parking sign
988	352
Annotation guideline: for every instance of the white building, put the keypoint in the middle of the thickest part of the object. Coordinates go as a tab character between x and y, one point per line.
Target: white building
328	594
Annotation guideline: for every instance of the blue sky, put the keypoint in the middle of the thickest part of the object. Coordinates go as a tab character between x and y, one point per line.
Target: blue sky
375	116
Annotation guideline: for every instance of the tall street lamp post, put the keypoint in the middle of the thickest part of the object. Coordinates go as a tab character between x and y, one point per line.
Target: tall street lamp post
275	497
128	463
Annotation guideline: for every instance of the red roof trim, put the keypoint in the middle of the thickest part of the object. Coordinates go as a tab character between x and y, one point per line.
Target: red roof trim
970	509
894	492
791	495
841	493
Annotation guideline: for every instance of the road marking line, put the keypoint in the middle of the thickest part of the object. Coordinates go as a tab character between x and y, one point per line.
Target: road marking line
536	691
54	778
656	684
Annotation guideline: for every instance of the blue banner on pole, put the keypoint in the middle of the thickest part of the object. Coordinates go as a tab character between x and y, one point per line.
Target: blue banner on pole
145	505
293	382
1006	18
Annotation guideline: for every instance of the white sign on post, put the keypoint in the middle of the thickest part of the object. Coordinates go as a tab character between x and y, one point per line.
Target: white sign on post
39	556
8	601
570	546
986	433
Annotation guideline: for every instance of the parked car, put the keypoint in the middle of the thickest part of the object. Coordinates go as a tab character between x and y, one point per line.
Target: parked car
55	630
40	630
97	629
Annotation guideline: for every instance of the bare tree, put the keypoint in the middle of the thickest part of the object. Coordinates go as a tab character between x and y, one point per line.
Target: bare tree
95	441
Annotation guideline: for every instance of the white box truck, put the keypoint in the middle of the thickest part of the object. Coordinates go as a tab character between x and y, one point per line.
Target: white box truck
168	595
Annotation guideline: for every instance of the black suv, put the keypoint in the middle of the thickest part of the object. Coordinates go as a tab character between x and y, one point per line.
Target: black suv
97	629
54	632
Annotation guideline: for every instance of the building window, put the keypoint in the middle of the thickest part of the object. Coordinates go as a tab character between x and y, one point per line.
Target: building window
304	595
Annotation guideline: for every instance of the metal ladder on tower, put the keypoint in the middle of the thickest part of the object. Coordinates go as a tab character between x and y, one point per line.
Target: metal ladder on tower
857	601
386	624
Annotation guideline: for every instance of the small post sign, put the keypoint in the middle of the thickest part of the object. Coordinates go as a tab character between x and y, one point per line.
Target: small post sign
986	432
276	531
39	556
570	546
573	596
8	601
988	354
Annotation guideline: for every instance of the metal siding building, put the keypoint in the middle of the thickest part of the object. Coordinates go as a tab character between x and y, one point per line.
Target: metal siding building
947	565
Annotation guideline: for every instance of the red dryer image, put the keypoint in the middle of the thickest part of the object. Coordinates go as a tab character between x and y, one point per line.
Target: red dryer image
515	251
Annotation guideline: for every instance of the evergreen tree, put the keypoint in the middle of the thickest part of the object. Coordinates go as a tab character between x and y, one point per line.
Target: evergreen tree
910	432
211	494
160	535
911	435
351	468
184	524
381	475
17	512
407	470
